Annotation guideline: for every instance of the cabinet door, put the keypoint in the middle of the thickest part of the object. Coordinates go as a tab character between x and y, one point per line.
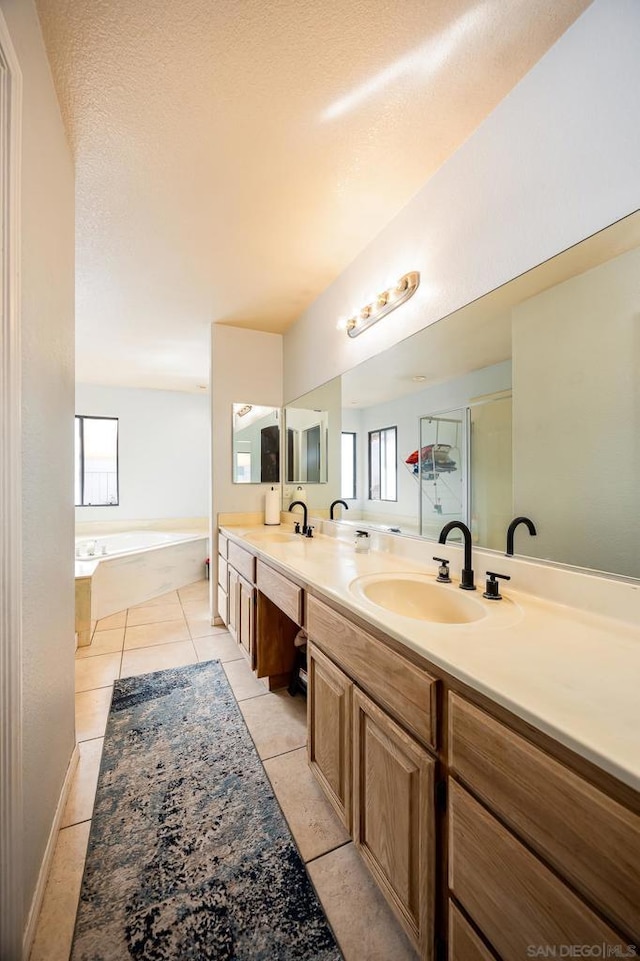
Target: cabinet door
394	816
233	600
329	730
246	625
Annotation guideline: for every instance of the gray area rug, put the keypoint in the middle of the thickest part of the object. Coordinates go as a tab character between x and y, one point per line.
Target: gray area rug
190	856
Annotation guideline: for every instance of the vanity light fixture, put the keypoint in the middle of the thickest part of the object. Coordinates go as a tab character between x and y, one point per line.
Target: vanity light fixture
244	410
384	303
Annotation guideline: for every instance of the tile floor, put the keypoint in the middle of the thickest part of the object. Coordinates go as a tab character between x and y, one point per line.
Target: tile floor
167	632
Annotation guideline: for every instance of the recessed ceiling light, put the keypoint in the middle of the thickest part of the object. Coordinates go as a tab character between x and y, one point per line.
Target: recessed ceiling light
419	379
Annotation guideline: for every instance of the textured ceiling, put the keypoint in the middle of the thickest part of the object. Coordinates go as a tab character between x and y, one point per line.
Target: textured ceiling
234	156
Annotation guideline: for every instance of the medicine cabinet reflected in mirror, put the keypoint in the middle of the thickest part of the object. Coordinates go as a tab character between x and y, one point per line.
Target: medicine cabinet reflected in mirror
256	444
543	377
312	438
306	439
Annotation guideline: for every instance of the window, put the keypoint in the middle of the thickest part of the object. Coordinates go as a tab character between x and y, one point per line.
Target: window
382	464
348	464
96	461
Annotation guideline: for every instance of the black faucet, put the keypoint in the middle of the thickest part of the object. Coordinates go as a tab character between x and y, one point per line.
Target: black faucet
512	529
334	504
301	504
466	578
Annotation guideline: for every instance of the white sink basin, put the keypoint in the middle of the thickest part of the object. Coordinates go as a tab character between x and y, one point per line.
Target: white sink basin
275	536
419	597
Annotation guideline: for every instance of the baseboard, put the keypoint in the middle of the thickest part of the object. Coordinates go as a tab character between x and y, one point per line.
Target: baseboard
45	867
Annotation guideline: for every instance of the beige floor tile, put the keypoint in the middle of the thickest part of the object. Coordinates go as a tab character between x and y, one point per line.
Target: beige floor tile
362	921
197	609
103	642
54	931
221	647
114	620
202	627
170	598
79	806
276	722
312	820
92	708
99	671
148	659
242	681
199	590
150	635
154	613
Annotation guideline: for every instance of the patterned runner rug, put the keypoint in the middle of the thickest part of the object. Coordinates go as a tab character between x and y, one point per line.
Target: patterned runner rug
189	855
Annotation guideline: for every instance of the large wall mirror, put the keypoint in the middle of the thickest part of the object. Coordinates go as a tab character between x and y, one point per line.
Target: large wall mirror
256	444
524	402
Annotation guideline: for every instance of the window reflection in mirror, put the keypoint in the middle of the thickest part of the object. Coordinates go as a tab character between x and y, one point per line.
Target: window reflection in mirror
383	464
256	444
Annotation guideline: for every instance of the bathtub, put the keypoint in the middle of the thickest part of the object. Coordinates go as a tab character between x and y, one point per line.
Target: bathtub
127	542
116	571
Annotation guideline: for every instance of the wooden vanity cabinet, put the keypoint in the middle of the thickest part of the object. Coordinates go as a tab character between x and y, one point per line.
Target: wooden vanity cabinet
240	599
262	609
394	816
247	619
534	849
329	724
233	602
374	770
537	854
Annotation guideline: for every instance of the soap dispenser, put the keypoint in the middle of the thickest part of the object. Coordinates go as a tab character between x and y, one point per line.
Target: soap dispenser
362	542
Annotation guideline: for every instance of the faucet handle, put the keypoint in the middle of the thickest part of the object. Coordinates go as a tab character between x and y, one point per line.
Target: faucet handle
492	588
309	530
296	527
443	571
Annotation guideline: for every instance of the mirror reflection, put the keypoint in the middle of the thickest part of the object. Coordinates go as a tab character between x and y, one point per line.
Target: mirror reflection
525	402
256	444
312	431
306	433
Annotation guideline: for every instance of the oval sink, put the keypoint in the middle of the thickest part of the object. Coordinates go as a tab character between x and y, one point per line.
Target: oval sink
275	536
419	597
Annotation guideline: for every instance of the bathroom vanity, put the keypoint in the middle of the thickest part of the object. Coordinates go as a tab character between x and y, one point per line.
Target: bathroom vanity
487	769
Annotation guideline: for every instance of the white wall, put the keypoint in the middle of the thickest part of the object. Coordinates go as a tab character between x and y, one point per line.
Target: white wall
47	224
163	447
576	453
556	161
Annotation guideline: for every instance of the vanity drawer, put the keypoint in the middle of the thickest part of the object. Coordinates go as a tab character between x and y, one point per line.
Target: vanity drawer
513	898
243	561
284	593
223	542
398	685
464	943
222	572
593	841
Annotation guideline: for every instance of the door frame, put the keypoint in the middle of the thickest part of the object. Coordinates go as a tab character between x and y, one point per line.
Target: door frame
11	814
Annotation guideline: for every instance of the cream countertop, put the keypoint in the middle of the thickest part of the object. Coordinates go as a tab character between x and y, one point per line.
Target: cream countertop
571	674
